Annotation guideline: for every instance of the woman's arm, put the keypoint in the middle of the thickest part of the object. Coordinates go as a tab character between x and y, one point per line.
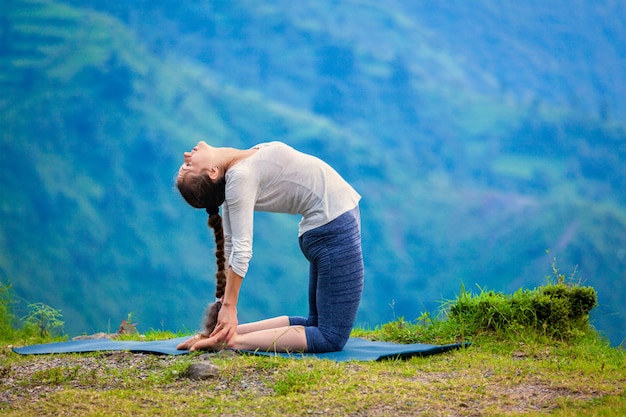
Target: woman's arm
241	191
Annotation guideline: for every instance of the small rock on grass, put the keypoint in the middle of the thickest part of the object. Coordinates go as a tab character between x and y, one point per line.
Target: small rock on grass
202	370
100	335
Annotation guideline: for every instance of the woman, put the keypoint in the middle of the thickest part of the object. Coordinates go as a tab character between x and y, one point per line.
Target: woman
274	177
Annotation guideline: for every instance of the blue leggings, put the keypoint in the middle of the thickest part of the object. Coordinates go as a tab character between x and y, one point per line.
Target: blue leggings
335	282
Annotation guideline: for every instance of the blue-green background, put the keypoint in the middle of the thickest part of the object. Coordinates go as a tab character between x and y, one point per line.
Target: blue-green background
487	138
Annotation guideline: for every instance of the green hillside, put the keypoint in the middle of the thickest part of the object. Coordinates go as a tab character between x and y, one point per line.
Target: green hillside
462	182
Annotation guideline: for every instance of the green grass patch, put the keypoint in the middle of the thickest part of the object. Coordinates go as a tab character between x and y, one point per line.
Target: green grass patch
490	378
557	311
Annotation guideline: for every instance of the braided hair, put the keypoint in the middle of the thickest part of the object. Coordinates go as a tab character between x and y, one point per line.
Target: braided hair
210	314
201	192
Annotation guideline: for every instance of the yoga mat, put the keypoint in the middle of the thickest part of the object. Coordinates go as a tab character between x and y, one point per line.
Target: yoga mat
163	347
355	350
368	350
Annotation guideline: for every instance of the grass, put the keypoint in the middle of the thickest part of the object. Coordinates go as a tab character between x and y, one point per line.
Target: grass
490	378
512	371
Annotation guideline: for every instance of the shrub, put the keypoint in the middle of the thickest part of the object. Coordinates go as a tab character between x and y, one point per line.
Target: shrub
42	320
40	323
557	310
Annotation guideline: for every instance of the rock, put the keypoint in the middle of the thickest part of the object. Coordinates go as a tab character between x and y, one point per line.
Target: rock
201	370
100	335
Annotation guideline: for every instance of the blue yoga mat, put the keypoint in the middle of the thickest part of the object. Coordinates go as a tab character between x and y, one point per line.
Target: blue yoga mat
368	350
355	350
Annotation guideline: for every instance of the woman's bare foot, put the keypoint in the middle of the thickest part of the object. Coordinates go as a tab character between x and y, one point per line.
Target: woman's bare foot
188	344
201	342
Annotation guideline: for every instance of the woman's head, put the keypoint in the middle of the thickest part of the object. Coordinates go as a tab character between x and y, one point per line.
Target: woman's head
200	181
200	191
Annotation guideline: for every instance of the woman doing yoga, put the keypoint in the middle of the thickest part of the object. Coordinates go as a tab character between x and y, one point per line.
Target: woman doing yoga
274	177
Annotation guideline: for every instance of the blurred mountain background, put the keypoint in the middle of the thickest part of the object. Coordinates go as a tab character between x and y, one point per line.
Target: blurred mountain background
487	138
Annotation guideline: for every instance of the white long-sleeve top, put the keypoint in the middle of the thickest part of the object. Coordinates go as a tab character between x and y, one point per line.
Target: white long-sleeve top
279	179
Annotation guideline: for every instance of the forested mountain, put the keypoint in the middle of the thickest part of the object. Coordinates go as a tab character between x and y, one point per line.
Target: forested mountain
487	139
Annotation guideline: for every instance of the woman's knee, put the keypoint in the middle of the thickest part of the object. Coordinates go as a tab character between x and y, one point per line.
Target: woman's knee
320	341
302	321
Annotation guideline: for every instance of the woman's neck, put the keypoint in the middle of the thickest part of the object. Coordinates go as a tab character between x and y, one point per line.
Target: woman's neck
232	156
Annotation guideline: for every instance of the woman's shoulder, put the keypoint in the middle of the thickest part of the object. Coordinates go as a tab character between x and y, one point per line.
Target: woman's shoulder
274	143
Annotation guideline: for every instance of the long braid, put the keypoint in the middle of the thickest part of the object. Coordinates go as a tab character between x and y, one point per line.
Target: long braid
212	310
215	222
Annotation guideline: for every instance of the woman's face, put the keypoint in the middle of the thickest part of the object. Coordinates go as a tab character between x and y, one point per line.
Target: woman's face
201	158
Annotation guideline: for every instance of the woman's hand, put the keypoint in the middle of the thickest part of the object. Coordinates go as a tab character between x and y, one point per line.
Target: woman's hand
226	326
